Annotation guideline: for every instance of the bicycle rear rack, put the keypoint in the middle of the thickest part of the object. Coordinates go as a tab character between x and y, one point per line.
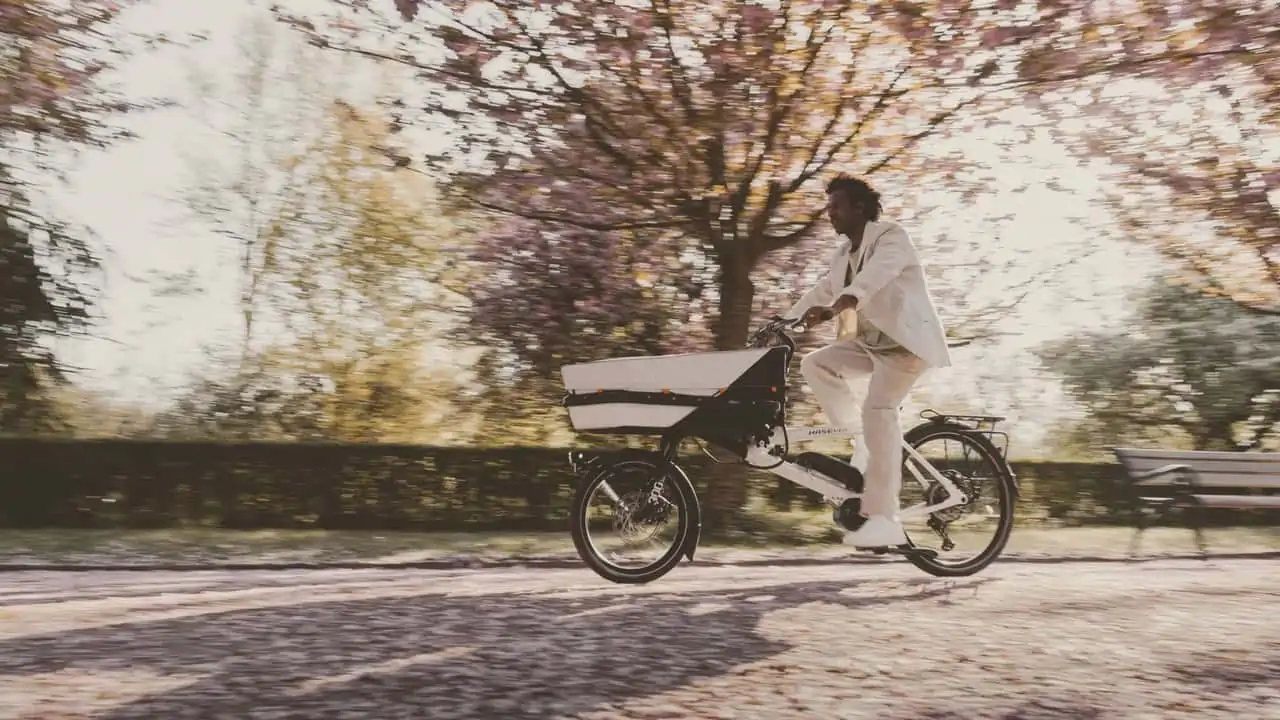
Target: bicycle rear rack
982	424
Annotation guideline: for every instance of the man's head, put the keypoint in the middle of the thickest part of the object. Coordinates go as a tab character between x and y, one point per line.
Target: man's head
851	203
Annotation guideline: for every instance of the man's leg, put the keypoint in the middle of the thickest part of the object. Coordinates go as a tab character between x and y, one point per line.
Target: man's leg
892	377
828	371
891	381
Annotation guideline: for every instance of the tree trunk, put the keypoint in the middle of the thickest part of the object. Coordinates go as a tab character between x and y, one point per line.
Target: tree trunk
727	484
737	296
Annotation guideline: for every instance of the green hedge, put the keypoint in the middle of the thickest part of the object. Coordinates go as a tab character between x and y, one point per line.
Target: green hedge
150	484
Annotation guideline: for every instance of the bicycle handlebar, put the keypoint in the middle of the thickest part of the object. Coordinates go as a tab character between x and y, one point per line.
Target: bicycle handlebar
778	325
775	328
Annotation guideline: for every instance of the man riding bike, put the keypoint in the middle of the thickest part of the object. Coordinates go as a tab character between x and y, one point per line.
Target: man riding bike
877	285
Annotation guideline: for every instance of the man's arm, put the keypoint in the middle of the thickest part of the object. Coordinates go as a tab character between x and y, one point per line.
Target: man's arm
819	295
892	254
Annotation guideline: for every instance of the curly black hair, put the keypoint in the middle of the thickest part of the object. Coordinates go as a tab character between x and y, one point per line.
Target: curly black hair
859	189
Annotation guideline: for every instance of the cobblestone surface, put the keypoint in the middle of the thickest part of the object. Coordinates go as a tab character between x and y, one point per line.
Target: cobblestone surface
1162	639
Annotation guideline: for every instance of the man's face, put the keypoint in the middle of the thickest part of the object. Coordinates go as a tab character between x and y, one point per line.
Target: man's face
843	211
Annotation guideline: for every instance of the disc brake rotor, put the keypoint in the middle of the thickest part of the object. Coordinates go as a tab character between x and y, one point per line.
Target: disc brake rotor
638	520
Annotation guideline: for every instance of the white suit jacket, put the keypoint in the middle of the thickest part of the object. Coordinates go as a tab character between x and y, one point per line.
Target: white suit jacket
890	288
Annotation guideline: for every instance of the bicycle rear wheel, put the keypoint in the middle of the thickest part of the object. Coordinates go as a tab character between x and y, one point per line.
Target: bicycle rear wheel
969	537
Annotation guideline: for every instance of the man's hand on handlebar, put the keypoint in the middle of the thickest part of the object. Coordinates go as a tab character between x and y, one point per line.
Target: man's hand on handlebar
844	302
815	316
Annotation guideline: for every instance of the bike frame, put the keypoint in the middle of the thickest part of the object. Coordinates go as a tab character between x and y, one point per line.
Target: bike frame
835	493
767	455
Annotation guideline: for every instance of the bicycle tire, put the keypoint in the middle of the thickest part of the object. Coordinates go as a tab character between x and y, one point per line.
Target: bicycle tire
686	504
1008	489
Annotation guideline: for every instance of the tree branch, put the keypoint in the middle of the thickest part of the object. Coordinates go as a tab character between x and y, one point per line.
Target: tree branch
564	220
680	87
932	126
882	101
781	110
1122	66
775	241
407	61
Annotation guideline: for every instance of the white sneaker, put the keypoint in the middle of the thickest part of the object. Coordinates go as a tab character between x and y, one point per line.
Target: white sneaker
877	532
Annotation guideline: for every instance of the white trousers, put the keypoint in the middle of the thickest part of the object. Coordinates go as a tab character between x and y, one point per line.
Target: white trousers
828	371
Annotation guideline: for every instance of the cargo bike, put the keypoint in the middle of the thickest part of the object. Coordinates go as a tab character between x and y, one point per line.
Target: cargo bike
736	401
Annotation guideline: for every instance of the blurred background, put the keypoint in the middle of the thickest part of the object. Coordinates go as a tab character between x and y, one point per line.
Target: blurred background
317	263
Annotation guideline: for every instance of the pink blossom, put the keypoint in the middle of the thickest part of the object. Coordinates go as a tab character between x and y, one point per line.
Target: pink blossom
461	43
648	154
997	36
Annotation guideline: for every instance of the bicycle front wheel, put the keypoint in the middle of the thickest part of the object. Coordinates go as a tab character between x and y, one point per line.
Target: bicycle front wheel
632	520
967	537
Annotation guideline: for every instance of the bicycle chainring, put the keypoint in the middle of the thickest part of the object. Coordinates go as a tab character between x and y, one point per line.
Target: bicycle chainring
848	514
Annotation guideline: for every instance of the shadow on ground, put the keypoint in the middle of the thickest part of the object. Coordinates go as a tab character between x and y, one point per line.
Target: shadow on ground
1225	675
1077	707
487	656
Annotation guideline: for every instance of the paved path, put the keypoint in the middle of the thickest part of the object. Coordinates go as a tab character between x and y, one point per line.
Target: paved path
1162	639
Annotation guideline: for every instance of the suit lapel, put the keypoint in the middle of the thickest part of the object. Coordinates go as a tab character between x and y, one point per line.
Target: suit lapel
838	264
869	237
846	263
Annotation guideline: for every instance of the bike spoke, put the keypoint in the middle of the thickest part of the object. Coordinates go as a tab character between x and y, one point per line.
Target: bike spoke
960	532
630	522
